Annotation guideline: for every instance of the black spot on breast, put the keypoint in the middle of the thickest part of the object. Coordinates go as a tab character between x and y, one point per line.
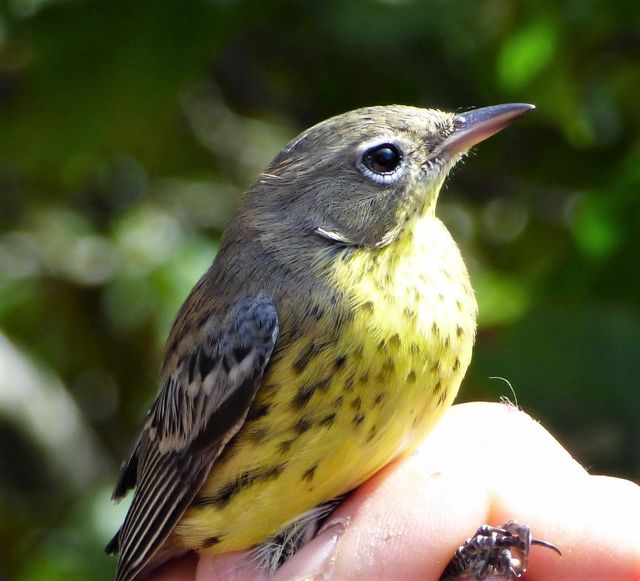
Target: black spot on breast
358	419
310	473
356	403
368	307
257	411
408	313
382	346
328	420
387	369
437	387
338	401
285	446
459	331
348	384
210	542
339	362
308	353
224	495
379	398
301	399
456	364
323	384
303	425
259	435
372	433
411	378
394	340
305	393
364	378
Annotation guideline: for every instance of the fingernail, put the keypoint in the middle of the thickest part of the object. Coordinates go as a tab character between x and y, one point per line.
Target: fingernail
340	522
314	560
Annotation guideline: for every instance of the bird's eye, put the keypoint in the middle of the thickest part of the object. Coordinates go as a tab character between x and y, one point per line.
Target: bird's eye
382	159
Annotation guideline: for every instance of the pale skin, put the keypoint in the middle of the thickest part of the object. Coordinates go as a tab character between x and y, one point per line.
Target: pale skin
483	463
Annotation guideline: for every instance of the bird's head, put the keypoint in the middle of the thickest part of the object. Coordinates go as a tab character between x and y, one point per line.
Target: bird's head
358	178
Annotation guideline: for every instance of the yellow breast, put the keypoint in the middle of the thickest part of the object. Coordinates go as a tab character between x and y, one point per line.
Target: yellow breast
337	408
415	316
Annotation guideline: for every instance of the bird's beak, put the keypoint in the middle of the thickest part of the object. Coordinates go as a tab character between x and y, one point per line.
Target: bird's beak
476	125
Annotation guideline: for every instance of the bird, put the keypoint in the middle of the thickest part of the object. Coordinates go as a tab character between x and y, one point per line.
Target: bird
329	335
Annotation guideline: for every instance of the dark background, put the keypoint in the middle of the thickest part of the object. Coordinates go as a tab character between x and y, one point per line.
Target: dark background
128	130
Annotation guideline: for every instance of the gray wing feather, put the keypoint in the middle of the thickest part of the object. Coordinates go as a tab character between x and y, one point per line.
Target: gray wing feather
201	406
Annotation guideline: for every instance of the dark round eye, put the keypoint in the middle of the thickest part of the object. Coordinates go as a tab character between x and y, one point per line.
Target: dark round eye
382	158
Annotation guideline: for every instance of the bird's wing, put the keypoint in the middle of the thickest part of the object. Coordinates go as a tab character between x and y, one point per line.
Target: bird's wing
203	402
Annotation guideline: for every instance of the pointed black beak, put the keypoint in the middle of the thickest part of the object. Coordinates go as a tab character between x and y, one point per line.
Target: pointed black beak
476	125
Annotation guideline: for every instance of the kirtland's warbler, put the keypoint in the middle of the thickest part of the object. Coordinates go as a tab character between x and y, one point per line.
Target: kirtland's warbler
328	337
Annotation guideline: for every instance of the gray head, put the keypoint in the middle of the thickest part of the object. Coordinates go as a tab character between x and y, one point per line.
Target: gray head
357	178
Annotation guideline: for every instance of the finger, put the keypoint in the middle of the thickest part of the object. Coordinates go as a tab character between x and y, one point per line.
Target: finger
410	518
495	442
180	569
593	521
229	566
401	524
315	559
533	479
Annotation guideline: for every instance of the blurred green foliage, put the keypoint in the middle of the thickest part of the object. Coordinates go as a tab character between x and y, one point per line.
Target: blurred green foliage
128	130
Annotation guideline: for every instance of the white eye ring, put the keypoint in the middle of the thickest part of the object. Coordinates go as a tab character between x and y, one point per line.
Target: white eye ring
381	162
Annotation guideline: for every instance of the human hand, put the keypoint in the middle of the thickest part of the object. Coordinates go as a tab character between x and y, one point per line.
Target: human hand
483	463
